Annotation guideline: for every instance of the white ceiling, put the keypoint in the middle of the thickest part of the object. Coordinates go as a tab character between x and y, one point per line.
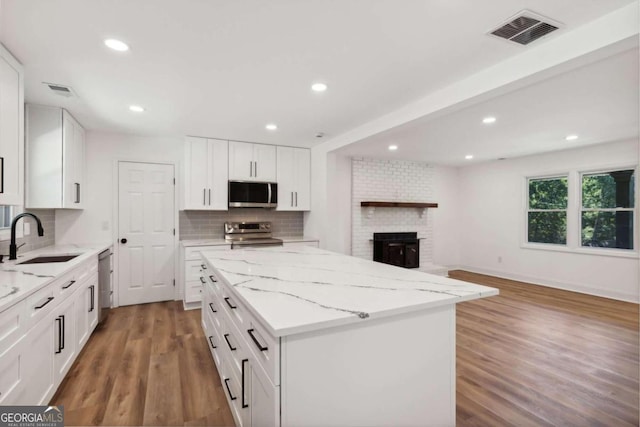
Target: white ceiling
224	68
598	102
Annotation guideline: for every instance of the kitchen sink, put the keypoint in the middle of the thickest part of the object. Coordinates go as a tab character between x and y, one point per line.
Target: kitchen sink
49	259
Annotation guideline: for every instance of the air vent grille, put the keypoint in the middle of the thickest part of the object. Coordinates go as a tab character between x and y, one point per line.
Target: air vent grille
525	28
60	89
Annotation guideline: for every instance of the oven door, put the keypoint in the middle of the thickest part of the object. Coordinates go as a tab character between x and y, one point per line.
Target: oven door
244	194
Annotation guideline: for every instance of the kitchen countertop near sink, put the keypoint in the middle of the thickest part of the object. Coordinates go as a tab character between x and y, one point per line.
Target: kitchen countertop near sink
18	281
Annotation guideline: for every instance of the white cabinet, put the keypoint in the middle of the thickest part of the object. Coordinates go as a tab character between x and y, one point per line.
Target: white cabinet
55	159
262	398
294	179
11	130
40	379
191	266
64	330
252	162
86	310
12	373
206	163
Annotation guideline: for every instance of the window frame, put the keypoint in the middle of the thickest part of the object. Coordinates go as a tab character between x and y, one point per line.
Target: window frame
5	233
527	181
581	209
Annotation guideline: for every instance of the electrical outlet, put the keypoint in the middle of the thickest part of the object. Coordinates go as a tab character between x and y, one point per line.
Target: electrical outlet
27	228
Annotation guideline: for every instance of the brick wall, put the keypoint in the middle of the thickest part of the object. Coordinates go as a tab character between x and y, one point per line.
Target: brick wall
391	180
210	225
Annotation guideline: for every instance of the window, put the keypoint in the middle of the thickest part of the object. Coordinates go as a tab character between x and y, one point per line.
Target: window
608	207
547	210
5	216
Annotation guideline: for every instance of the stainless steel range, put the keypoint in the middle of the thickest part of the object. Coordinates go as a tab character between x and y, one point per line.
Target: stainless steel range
249	234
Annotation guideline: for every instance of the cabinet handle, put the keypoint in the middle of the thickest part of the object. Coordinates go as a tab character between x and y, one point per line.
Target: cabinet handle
93	294
226	338
226	384
69	285
77	184
255	169
63	331
250	168
202	280
211	341
257	343
211	307
244	404
229	304
212	279
59	321
204	267
204	196
38	307
209	197
2	175
296	199
292	199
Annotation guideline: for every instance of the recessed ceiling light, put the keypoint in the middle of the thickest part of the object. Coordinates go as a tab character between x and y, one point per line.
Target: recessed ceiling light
136	108
318	87
489	120
469	156
571	137
116	45
393	147
271	126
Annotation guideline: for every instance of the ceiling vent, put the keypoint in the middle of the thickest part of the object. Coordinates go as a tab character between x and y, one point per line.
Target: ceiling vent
525	27
61	90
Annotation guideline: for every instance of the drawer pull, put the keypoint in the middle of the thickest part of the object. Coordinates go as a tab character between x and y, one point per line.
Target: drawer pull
212	279
211	342
202	280
226	338
204	267
244	404
229	304
226	384
59	321
38	307
211	307
257	343
69	285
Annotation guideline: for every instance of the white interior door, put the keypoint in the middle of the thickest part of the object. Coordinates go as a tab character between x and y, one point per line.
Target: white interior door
145	239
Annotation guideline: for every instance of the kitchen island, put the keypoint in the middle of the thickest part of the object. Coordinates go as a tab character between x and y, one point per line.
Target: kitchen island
303	336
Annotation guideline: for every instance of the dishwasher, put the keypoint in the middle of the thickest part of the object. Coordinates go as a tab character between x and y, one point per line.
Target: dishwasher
104	284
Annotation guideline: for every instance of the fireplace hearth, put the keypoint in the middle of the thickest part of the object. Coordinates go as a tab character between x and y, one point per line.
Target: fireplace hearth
400	249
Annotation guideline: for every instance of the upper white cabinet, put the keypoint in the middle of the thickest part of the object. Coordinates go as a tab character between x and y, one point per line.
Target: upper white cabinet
252	162
294	180
205	174
55	159
11	130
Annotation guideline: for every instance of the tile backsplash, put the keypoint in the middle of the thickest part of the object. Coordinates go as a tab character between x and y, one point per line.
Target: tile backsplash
210	224
33	241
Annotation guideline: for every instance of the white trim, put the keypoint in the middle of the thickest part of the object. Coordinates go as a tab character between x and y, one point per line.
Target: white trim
573	287
116	231
583	250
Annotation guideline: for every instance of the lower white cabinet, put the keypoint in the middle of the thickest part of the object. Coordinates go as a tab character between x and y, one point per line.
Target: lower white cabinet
41	335
41	380
263	398
190	265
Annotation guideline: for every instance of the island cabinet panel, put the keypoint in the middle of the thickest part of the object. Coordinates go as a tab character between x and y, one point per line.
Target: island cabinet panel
394	371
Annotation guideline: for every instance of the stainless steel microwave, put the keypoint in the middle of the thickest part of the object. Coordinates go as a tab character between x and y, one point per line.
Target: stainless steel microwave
247	194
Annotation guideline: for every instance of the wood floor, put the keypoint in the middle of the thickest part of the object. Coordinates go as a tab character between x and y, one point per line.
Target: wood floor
532	356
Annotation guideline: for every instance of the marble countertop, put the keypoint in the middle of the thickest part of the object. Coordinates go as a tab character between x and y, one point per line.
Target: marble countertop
19	281
302	289
217	242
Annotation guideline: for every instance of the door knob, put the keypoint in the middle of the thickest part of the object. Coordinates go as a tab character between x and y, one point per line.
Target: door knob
123	241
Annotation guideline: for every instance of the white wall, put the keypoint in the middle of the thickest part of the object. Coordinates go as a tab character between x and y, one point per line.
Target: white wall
492	222
95	223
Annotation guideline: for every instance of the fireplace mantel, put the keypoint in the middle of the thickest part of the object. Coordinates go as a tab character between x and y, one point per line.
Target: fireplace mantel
372	205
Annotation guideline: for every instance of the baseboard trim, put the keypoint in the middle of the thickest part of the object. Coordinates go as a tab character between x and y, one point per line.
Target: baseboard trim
620	296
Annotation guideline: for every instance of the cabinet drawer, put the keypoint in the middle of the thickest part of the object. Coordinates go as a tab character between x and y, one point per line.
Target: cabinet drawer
235	311
68	283
192	270
41	303
236	397
193	291
193	253
85	270
12	325
214	343
213	309
265	349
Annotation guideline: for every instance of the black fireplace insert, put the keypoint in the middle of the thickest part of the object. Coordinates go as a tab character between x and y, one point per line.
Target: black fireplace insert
401	249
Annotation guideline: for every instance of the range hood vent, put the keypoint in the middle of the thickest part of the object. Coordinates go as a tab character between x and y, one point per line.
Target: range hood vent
525	27
61	90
